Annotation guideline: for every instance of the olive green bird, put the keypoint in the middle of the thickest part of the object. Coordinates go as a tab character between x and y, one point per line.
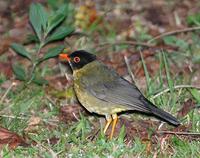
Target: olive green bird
101	90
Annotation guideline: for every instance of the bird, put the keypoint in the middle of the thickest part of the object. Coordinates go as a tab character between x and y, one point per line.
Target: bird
101	90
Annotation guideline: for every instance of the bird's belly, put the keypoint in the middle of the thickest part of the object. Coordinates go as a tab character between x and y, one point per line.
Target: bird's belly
93	104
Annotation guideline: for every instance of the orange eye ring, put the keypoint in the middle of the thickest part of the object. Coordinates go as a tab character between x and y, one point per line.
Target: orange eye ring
77	59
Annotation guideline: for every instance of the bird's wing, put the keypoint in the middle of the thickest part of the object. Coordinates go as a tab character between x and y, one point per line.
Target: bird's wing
120	91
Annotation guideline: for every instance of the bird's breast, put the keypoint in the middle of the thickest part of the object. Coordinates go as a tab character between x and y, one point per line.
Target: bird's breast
93	104
88	76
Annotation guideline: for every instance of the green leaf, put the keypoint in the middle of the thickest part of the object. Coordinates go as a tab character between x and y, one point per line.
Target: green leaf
38	18
52	3
196	94
63	9
57	18
31	38
54	21
43	16
174	41
193	19
60	34
170	40
196	59
19	49
40	81
19	72
53	52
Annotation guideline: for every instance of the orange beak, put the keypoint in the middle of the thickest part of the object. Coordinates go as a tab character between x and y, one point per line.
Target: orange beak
64	57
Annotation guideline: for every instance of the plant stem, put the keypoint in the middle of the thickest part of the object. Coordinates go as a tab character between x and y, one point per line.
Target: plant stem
40	47
32	72
35	63
173	32
129	68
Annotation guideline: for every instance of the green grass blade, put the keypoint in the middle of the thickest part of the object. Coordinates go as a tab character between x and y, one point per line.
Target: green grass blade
148	79
167	70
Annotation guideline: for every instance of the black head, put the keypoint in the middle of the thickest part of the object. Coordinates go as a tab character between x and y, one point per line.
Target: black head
79	58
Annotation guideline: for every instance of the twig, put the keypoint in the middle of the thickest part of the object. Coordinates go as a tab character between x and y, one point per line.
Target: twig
82	34
49	121
173	32
13	117
108	44
129	68
179	133
161	124
175	87
7	91
75	116
126	42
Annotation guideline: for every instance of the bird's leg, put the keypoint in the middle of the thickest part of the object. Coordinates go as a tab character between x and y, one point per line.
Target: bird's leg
109	120
115	118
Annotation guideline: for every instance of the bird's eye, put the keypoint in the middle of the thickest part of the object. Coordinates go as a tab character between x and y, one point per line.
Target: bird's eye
77	59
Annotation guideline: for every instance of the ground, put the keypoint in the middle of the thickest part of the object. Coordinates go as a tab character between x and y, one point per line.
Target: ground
155	43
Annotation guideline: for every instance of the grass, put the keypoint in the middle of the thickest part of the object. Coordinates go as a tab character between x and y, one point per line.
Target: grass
55	138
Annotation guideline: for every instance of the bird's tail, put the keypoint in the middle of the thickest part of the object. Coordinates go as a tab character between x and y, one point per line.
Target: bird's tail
162	114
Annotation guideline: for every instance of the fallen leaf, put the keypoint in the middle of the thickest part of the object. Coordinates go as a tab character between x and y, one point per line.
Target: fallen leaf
70	113
34	120
5	44
12	139
186	108
148	147
53	140
6	69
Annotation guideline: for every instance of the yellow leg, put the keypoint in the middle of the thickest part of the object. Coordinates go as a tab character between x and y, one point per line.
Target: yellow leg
115	118
109	120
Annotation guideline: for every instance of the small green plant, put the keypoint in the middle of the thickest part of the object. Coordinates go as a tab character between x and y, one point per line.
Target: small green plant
47	28
177	42
193	19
